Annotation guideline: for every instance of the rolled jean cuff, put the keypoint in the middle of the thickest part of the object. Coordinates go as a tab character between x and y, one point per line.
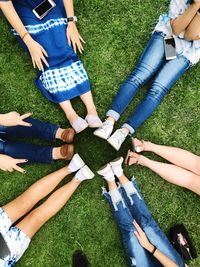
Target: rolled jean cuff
56	127
127	126
115	115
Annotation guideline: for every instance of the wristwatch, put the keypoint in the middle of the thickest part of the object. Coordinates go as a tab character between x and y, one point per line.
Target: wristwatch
74	19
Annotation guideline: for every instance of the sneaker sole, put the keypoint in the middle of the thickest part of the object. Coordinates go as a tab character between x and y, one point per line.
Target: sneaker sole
102	168
100	136
87	172
113	145
117	160
78	161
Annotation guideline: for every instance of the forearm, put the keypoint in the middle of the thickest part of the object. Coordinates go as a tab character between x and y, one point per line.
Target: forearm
69	7
162	258
13	18
182	22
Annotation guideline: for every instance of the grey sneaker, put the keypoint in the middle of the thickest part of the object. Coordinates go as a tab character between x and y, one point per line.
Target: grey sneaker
117	139
105	130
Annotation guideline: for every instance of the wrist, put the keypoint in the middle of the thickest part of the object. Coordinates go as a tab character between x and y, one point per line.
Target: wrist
150	248
27	39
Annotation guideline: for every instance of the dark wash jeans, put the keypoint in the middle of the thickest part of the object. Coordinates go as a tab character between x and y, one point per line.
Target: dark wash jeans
151	64
132	207
20	150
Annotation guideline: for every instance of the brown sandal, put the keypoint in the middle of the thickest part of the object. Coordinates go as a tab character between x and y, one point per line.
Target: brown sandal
67	151
68	135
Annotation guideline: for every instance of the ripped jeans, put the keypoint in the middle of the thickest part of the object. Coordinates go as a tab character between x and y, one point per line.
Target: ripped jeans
152	63
128	205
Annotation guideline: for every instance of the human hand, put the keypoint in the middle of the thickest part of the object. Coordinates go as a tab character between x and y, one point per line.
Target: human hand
38	54
14	119
142	238
74	37
9	164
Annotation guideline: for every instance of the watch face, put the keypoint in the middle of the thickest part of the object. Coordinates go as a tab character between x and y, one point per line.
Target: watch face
72	19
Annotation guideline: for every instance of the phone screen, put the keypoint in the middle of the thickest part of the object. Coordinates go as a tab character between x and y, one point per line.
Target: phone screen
170	48
4	250
43	8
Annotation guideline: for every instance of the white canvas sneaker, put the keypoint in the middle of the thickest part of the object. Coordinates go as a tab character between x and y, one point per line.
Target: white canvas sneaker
117	139
116	166
84	174
105	130
76	163
107	173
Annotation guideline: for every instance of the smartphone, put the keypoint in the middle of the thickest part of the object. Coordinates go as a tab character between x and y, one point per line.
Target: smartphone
4	250
170	48
43	9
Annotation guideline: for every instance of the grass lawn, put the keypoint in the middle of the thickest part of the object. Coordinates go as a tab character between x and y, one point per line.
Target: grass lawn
115	33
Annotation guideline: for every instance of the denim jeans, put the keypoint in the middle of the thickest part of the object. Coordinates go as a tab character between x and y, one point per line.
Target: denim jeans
128	207
20	150
151	64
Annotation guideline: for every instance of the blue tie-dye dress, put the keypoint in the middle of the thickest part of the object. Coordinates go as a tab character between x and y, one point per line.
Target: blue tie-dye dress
66	77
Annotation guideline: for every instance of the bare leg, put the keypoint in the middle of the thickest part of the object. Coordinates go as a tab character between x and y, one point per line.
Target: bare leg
173	174
26	201
39	216
123	179
111	185
69	111
177	156
89	103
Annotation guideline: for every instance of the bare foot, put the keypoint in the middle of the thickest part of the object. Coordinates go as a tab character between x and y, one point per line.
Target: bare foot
138	145
132	158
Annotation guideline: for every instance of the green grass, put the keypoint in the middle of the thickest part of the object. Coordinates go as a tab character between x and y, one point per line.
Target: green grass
116	33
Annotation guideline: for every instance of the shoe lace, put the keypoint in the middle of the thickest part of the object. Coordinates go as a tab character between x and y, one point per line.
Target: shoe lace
120	135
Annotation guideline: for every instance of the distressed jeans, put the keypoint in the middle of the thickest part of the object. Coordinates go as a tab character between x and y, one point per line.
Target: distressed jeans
20	150
126	207
151	64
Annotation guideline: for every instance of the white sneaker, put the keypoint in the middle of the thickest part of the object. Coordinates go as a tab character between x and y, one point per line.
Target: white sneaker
116	166
84	174
117	139
107	173
76	163
105	130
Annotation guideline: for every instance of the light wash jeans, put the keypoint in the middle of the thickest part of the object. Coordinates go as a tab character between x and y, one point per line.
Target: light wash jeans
151	64
129	206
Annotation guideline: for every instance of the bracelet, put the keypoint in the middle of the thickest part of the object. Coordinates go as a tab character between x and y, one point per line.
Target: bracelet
154	250
24	35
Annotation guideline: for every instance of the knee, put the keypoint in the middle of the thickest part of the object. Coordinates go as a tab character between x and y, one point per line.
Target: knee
38	216
157	92
25	203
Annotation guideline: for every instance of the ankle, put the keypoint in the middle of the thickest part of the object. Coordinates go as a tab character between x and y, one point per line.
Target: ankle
110	119
72	117
56	153
125	130
148	146
59	133
143	161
